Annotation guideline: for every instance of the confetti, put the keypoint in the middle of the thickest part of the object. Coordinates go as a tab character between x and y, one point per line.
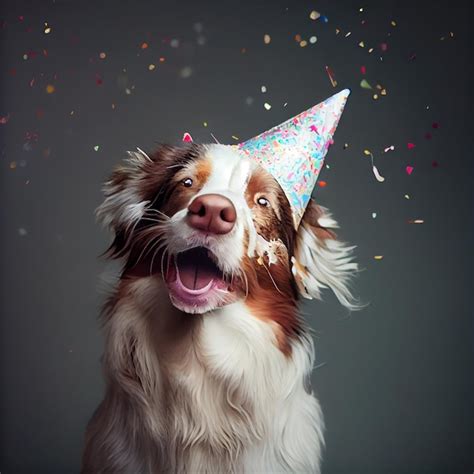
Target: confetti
314	15
378	257
267	106
416	221
363	69
187	137
346	146
377	175
22	232
410	146
362	44
96	148
389	148
4	119
102	55
205	124
263	89
47	29
435	125
375	96
13	165
235	138
365	85
409	169
393	23
303	43
313	39
151	67
331	76
374	215
50	88
383	47
174	43
144	45
348	34
186	72
434	164
322	184
407	196
267	39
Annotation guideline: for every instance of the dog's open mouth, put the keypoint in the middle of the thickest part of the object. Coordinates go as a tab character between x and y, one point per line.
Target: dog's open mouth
195	282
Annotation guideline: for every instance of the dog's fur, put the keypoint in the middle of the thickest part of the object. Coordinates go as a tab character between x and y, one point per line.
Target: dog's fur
226	389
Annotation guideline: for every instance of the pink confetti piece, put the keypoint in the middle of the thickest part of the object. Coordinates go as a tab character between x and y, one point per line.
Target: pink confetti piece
4	119
435	125
410	146
363	69
409	169
383	47
187	137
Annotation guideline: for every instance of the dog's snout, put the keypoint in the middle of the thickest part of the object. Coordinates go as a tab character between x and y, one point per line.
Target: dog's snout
212	213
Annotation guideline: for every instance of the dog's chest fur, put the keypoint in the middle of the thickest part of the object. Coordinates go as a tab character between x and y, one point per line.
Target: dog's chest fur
231	401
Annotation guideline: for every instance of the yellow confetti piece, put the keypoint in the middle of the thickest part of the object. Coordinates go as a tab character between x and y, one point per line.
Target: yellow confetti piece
383	92
314	15
205	124
378	257
303	43
267	106
235	138
361	44
47	30
365	85
151	67
371	49
375	96
50	88
393	23
367	152
267	39
407	196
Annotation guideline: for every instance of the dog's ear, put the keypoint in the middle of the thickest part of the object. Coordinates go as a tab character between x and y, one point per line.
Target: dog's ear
320	260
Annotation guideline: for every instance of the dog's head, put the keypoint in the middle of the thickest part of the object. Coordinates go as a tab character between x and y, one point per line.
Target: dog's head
219	228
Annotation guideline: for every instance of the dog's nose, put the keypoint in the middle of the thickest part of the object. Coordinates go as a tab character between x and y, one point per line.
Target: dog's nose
212	213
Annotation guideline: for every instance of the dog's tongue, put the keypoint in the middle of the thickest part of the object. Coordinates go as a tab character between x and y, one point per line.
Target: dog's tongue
196	269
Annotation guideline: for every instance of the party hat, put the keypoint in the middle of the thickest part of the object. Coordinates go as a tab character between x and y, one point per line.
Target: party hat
294	151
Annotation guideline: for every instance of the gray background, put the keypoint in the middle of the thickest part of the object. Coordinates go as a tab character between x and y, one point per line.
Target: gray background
397	384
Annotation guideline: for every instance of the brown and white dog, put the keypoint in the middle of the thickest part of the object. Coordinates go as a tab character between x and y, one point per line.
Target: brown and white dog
207	361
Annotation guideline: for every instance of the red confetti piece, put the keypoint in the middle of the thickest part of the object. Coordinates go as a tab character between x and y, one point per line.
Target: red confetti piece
322	184
435	125
98	80
187	137
409	169
363	69
411	146
144	45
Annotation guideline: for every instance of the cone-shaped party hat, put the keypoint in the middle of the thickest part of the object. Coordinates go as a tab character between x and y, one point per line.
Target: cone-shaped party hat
294	151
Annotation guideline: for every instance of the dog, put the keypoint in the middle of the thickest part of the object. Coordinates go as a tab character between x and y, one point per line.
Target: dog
207	361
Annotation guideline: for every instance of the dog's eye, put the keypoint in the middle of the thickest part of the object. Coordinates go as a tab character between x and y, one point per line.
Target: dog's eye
264	202
187	183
